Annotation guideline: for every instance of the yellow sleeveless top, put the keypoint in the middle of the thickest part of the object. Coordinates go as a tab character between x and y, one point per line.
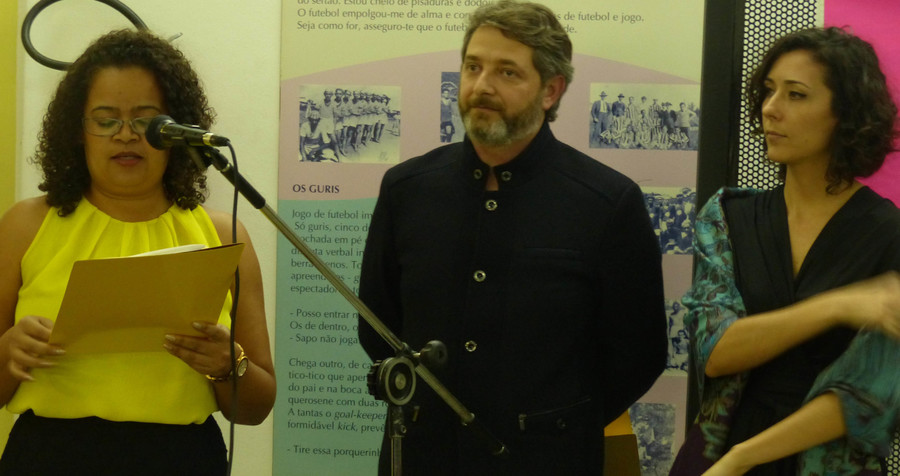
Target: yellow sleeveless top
143	386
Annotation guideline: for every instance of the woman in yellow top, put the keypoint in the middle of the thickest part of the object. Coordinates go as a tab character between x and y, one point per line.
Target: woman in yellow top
109	193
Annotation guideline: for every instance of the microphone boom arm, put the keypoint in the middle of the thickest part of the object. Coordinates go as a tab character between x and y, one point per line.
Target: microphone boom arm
206	156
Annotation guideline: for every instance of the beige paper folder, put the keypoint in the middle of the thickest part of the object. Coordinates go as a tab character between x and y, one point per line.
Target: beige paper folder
129	304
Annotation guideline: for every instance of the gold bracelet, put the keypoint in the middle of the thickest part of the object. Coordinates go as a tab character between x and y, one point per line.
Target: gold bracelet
240	366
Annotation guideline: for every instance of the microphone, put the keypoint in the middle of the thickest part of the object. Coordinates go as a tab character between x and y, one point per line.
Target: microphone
163	132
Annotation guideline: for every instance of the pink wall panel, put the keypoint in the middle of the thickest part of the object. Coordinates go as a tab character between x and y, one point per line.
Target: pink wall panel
876	21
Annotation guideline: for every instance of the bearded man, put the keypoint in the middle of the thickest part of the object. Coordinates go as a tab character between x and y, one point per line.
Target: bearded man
535	264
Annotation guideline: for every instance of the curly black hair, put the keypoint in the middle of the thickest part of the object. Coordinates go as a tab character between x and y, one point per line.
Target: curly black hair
861	101
60	150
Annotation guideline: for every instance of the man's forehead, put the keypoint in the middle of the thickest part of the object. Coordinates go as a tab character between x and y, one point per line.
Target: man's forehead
491	42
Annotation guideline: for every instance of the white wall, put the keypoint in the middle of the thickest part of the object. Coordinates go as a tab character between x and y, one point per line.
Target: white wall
234	46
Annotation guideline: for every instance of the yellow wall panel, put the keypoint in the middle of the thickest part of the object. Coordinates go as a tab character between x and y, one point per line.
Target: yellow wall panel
8	136
8	15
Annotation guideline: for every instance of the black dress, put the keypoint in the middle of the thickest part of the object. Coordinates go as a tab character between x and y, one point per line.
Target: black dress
840	255
93	446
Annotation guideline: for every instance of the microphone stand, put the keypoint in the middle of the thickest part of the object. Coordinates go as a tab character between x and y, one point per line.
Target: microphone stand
392	380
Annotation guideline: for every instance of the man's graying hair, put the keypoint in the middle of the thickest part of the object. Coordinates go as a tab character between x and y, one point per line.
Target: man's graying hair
533	25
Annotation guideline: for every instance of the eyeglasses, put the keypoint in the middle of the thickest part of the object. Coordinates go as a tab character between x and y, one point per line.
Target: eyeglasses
107	126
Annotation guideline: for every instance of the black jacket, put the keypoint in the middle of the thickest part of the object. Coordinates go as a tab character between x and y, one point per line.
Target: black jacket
548	294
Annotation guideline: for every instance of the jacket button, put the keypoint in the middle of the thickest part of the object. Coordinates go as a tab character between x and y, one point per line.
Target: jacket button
471	346
506	176
477	174
479	276
490	205
561	424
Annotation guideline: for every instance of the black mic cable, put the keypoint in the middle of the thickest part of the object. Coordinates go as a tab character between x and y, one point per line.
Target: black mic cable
61	65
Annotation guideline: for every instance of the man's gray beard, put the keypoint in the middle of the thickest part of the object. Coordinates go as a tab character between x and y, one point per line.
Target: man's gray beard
506	130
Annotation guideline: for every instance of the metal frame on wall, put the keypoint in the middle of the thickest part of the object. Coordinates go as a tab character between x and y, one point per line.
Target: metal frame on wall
720	92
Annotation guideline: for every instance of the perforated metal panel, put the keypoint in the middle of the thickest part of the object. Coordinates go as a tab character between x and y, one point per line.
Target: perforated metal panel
893	461
764	21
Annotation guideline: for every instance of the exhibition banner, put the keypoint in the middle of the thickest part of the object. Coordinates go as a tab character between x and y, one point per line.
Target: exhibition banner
366	84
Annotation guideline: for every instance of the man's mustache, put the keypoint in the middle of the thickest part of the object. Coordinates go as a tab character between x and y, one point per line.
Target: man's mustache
485	102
